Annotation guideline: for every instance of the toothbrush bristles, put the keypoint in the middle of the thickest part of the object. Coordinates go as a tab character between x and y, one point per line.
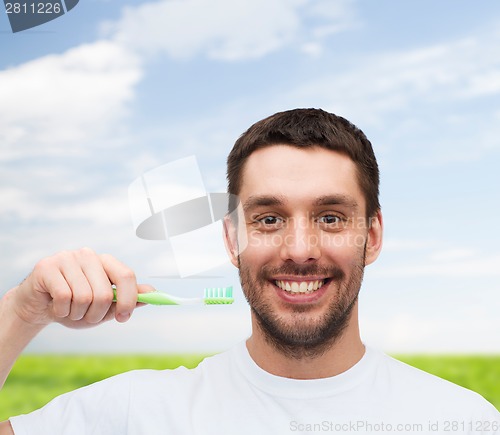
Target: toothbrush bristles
218	295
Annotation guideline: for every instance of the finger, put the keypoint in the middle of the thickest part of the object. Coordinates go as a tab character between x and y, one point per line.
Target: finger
60	293
81	291
145	288
61	277
111	313
52	294
126	286
102	292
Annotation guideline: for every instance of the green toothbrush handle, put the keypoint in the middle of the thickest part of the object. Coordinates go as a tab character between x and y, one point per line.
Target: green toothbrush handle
153	298
156	298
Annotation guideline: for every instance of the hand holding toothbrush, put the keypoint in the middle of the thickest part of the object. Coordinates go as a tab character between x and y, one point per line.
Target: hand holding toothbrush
73	288
78	289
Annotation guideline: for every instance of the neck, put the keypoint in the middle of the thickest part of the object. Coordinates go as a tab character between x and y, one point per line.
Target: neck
339	356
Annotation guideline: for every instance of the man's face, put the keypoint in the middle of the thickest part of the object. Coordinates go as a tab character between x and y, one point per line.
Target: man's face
302	244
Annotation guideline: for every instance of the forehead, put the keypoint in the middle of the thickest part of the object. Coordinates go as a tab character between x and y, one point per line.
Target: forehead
299	174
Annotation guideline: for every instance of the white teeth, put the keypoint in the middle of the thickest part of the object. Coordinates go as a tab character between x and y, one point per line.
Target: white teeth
300	287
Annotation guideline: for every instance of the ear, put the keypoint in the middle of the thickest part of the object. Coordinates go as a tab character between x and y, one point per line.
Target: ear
374	239
231	239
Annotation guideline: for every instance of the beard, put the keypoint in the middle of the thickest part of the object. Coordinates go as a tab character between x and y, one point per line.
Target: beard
300	335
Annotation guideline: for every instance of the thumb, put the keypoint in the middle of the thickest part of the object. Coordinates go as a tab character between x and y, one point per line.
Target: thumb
145	288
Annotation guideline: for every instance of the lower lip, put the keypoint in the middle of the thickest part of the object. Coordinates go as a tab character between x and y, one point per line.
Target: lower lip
301	298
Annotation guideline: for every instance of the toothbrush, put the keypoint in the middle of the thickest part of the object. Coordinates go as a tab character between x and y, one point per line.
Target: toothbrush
211	296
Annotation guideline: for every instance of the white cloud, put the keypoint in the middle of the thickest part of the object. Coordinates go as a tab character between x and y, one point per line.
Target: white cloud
101	209
426	258
452	264
457	254
389	82
56	101
337	17
398	245
62	104
228	30
473	331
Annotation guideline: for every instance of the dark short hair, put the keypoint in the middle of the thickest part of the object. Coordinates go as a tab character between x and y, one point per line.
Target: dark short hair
304	128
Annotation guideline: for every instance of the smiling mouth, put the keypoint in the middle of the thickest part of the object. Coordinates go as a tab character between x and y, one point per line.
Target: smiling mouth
302	287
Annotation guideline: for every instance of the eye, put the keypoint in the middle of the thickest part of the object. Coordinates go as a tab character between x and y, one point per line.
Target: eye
269	222
331	221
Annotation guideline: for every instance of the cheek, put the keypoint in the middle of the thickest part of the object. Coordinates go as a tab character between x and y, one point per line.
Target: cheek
262	244
346	247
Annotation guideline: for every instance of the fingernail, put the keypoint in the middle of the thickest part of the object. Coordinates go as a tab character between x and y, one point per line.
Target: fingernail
123	317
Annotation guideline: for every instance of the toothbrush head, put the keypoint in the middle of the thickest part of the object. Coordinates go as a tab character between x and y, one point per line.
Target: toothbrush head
218	295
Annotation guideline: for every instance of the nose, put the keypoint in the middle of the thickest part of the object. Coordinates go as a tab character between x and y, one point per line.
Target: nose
301	242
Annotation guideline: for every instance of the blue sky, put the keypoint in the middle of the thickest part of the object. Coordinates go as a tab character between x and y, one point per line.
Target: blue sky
113	89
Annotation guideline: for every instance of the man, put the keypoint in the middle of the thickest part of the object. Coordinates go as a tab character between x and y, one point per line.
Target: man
309	223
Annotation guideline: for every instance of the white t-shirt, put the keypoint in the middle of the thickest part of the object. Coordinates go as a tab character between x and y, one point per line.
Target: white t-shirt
229	394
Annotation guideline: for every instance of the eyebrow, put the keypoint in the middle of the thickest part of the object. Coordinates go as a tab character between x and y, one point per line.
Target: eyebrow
262	201
271	200
339	199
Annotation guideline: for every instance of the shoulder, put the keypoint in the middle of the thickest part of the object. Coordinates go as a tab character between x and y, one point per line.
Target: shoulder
425	389
209	367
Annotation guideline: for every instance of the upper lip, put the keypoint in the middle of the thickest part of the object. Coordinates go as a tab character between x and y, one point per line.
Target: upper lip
299	278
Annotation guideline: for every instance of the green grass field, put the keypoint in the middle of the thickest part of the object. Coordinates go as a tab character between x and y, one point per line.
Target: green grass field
36	379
